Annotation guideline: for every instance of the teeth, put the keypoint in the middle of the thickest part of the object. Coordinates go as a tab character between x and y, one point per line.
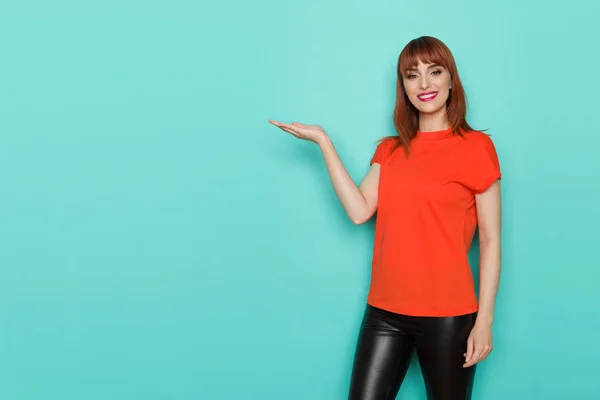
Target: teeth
427	96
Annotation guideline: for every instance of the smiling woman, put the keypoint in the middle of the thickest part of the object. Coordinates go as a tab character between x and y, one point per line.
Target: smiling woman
428	78
431	186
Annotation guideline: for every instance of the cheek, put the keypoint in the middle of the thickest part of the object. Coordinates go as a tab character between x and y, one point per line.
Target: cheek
410	89
445	82
446	90
411	94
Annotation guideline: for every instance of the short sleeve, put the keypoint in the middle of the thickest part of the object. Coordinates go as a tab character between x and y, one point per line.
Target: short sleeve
383	151
483	167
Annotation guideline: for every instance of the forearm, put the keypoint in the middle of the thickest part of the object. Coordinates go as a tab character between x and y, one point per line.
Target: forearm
347	191
489	278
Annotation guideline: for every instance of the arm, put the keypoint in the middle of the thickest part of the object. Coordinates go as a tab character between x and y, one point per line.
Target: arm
489	221
359	202
479	344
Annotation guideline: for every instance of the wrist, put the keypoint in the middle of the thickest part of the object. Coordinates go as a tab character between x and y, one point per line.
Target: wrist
484	319
323	140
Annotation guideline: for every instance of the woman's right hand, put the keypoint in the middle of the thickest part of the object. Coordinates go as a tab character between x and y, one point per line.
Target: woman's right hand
314	133
359	203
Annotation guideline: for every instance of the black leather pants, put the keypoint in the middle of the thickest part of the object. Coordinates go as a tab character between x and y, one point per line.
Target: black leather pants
385	346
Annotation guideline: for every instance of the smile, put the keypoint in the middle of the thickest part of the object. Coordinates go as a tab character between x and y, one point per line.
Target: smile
427	96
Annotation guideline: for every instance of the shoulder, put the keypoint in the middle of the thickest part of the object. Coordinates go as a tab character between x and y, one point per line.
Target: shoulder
476	136
384	149
388	142
478	140
479	149
387	145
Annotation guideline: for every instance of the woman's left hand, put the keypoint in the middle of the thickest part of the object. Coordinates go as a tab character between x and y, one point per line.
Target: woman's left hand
479	344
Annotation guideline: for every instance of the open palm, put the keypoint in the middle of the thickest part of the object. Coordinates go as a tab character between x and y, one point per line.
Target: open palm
314	133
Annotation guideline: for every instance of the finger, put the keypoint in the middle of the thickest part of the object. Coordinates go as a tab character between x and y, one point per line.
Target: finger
276	123
290	131
476	355
469	352
486	352
483	356
289	128
472	361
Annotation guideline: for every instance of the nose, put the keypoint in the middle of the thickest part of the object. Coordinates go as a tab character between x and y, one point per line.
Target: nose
424	83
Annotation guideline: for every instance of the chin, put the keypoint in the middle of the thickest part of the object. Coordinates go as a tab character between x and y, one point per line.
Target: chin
429	108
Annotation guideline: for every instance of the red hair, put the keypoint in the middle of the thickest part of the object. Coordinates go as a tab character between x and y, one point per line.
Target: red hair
428	50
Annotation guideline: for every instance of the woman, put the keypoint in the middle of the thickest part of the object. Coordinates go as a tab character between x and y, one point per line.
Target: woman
431	185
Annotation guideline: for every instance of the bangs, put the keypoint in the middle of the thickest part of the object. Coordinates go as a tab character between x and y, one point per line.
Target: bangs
427	51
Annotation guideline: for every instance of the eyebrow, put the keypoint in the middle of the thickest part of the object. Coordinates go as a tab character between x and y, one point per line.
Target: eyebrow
430	67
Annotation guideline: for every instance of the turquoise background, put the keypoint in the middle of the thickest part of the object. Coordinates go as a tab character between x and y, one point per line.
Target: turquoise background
159	240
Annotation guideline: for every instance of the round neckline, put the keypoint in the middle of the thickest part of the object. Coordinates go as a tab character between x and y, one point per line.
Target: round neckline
434	134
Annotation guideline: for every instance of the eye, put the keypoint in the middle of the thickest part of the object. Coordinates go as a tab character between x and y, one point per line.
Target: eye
437	72
411	76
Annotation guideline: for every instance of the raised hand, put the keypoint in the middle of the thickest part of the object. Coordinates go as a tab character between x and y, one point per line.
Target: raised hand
314	133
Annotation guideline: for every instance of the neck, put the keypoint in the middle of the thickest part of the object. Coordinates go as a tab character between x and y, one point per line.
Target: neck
434	122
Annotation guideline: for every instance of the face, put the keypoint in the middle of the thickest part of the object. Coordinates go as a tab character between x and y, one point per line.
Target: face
427	87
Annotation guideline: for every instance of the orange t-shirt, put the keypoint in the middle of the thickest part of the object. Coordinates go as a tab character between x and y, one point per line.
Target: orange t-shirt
426	220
